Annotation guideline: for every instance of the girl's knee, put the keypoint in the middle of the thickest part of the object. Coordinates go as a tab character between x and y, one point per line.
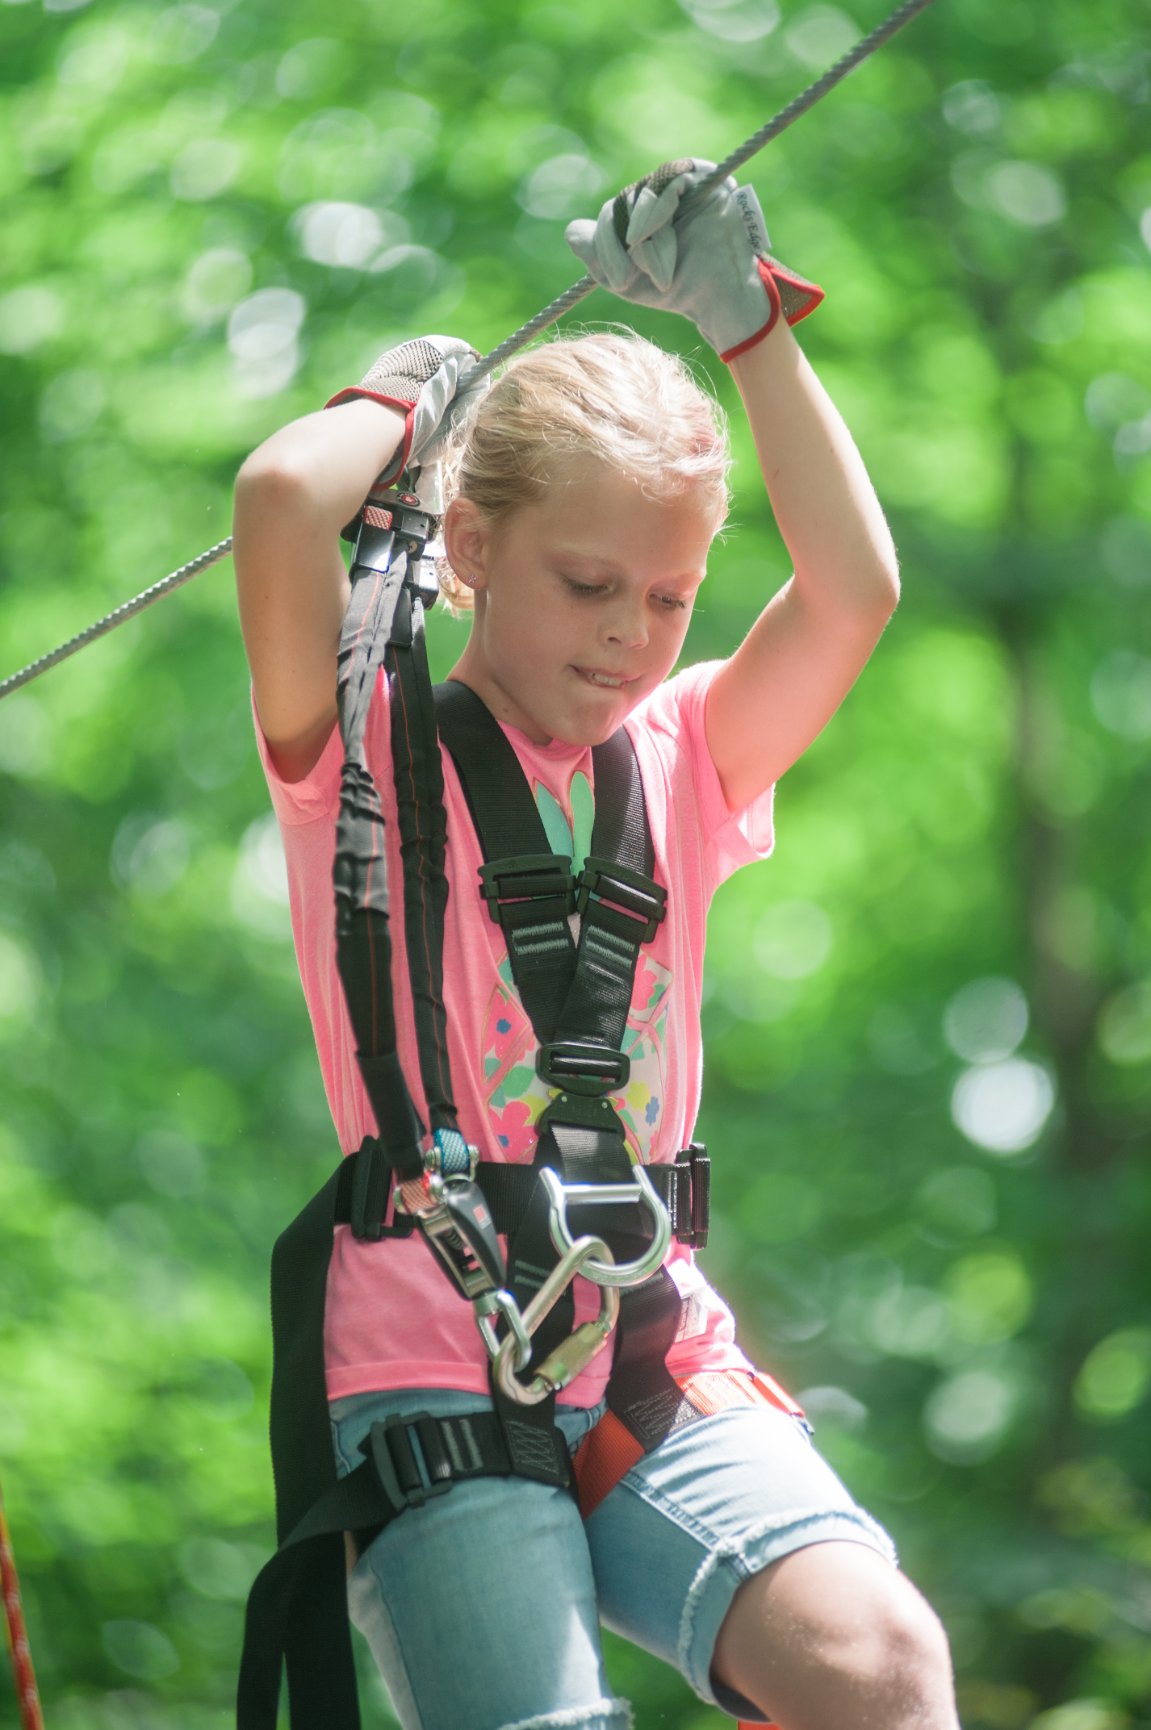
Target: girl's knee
833	1626
903	1646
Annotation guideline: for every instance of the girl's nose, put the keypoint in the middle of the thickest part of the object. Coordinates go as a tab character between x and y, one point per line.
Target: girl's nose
626	624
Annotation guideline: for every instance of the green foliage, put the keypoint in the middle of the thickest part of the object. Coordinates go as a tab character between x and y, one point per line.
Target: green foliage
928	1019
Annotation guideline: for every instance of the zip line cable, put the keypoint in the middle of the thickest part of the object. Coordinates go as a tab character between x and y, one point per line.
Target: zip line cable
31	1717
512	344
779	123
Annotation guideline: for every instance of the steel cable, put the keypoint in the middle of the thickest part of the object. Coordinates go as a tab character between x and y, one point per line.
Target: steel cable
511	344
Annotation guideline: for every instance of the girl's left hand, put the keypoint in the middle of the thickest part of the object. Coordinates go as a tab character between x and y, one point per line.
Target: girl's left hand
662	242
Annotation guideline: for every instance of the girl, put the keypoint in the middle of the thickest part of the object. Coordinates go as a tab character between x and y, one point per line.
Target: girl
589	484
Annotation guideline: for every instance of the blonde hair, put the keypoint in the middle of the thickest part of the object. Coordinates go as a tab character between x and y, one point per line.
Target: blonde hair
609	397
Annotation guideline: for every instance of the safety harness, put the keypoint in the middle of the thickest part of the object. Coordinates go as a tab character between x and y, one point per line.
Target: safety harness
582	1206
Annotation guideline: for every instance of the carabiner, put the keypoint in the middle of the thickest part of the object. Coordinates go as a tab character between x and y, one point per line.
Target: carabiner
487	1309
572	1355
641	1190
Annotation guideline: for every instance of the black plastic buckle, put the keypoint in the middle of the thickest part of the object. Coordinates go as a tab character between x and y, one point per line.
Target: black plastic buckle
526	877
388	516
697	1161
389	1447
401	512
581	1111
372	1177
580	1066
624	891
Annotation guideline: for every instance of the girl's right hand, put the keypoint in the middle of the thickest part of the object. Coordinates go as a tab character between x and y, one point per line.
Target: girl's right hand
427	380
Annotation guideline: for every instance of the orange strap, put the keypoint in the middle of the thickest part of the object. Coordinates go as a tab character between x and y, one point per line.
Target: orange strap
611	1450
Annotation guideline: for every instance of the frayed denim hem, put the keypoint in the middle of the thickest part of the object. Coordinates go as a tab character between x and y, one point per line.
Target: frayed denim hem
708	1601
600	1715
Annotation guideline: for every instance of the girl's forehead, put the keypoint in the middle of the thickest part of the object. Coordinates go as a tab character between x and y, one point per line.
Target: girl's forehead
593	492
606	526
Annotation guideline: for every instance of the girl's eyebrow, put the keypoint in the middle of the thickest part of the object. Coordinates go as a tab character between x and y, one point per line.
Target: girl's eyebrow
608	567
592	560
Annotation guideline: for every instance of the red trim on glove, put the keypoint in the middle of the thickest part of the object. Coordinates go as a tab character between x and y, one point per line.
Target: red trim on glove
771	275
773	296
354	390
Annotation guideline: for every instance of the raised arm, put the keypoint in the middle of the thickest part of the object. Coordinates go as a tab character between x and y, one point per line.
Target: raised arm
812	640
670	241
293	496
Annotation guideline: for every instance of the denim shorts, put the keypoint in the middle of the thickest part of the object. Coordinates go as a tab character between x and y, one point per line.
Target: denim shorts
483	1607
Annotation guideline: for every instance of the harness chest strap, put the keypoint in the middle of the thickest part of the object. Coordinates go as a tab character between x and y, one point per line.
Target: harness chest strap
365	1200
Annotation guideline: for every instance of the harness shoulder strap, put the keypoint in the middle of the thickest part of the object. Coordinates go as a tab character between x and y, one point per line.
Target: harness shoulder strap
578	1005
576	1000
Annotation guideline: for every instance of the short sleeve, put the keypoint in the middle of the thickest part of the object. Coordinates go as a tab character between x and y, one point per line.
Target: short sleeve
731	838
317	795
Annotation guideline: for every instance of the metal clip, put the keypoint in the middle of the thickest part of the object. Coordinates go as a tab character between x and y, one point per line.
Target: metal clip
573	1354
488	1309
608	1272
447	1154
458	1226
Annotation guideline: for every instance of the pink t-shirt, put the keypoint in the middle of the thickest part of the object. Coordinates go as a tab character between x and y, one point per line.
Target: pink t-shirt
393	1320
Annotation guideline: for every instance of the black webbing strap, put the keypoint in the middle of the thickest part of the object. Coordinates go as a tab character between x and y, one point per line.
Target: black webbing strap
384	625
310	1621
572	997
422	823
363	942
409	1460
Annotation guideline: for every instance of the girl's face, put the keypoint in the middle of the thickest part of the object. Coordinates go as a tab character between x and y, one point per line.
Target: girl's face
582	601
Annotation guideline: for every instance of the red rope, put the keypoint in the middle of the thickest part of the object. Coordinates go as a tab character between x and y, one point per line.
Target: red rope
31	1718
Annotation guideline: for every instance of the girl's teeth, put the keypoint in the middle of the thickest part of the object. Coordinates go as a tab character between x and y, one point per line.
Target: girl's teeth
602	679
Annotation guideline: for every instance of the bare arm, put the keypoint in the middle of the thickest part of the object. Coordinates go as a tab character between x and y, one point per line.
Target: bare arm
293	496
809	645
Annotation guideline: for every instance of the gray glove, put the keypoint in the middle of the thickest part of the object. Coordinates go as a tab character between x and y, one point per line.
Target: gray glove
660	242
428	379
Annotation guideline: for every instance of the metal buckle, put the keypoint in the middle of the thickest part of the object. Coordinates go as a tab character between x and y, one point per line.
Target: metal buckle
572	1355
608	1272
580	1066
623	891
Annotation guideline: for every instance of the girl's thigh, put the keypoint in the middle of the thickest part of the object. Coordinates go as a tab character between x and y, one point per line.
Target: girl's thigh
715	1503
480	1607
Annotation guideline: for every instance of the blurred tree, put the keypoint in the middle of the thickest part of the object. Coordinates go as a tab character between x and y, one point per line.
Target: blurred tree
929	1018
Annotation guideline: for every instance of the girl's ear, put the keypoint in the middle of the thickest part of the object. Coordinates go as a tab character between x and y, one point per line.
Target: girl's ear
465	542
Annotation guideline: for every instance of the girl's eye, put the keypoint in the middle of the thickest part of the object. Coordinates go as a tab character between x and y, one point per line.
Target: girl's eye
667	603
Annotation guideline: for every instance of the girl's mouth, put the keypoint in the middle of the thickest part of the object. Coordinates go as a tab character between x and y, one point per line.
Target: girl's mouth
609	681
